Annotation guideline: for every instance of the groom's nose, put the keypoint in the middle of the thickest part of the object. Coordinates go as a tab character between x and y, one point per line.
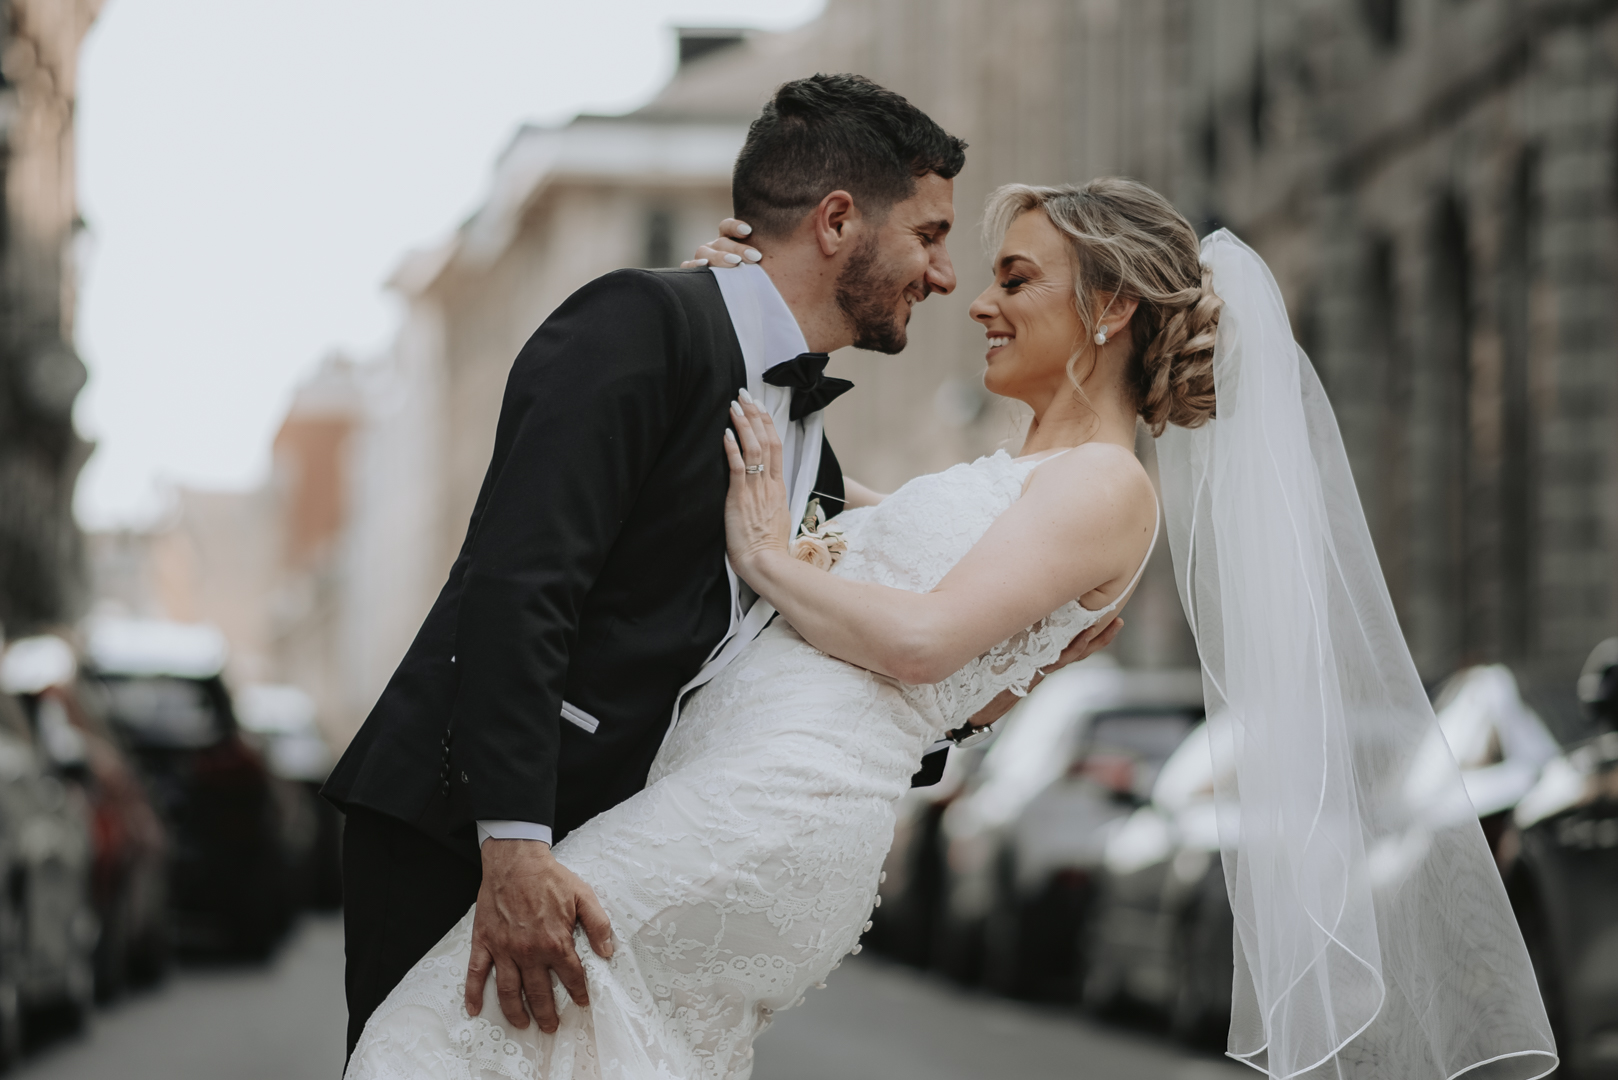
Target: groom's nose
940	271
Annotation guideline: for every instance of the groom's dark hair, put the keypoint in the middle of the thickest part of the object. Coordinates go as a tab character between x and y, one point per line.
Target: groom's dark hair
826	132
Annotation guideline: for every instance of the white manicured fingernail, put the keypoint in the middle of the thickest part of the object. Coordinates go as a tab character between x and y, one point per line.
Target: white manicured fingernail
702	262
744	228
737	409
744	395
753	256
729	436
732	259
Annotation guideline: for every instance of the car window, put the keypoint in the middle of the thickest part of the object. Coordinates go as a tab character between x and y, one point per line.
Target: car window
1147	735
164	712
1136	743
13	720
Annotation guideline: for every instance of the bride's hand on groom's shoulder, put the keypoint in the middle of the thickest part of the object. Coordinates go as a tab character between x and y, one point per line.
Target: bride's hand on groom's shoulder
728	249
757	519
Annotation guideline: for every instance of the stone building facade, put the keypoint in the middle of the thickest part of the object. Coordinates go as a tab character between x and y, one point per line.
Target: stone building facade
1434	183
1438	181
41	580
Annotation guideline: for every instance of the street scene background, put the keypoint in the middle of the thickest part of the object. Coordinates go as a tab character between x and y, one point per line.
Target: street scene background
189	645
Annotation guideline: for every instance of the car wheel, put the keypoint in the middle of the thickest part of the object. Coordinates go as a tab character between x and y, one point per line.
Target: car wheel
1002	972
909	918
1530	912
111	958
11	1024
1102	992
1200	1012
957	950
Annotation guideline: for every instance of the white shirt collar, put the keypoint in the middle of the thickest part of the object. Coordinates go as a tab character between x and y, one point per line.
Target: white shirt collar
765	326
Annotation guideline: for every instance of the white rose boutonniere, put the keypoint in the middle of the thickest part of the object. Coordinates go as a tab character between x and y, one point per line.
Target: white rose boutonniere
819	544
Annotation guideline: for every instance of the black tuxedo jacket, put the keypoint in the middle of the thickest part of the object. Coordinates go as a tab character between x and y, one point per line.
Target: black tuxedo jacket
593	571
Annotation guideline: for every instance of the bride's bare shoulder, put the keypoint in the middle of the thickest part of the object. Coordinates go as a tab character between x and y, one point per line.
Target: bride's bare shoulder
1099	483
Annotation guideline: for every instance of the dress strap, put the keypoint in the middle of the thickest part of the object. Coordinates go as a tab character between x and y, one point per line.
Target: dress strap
1049	457
1156	527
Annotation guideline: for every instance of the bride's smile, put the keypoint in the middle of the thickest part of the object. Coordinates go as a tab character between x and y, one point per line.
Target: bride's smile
1040	350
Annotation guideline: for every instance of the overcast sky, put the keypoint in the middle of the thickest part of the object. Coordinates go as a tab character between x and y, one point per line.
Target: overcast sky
250	171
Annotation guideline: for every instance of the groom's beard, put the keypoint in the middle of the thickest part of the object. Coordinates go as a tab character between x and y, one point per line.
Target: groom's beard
868	296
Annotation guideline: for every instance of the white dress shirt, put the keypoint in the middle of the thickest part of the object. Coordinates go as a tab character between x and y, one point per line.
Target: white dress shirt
769	334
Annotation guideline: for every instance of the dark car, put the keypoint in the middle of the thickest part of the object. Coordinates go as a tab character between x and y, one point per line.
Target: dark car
282	718
911	884
1012	878
129	881
1562	873
1034	940
48	925
1161	934
232	885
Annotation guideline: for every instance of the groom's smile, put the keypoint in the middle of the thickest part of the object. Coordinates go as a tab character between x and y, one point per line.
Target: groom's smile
902	262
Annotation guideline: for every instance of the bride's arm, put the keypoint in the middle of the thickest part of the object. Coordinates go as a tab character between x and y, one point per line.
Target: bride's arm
1083	525
856	494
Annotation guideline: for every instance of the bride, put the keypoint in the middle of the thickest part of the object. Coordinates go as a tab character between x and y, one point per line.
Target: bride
1374	938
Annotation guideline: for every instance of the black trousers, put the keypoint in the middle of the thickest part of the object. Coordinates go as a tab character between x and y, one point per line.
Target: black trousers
402	892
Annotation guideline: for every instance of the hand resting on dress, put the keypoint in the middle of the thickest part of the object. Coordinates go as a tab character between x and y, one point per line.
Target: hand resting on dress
527	907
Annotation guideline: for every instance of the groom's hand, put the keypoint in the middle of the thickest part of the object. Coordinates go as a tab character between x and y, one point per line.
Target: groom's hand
528	905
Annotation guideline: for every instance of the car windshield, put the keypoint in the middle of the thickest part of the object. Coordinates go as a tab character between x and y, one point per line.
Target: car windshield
164	712
1145	739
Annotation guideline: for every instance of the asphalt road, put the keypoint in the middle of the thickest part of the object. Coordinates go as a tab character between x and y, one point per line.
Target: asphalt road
874	1021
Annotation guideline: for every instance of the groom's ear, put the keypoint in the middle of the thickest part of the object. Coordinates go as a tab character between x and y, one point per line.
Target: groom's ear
836	222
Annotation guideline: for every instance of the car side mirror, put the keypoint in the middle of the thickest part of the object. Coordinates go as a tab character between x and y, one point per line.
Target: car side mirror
1113	772
62	744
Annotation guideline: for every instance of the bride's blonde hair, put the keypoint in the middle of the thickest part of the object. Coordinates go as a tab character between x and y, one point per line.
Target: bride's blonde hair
1129	241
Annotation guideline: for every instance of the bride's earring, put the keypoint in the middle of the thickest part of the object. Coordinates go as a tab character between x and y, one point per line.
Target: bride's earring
1101	335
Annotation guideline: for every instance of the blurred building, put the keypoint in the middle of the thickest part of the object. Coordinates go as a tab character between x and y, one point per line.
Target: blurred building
40	374
1433	182
267	566
566	205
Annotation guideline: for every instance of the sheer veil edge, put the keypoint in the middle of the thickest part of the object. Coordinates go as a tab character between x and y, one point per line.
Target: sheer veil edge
1374	937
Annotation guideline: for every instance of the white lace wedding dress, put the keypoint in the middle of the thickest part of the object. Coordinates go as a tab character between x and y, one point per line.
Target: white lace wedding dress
748	866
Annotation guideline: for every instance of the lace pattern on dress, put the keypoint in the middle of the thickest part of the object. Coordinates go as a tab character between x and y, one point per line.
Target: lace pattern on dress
747	867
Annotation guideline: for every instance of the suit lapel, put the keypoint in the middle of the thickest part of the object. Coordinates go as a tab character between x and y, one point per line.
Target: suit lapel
747	320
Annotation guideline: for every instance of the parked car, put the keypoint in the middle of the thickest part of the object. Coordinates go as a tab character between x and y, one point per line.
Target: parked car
1163	932
908	898
231	885
1562	874
129	881
1021	841
283	719
1034	940
1500	744
48	925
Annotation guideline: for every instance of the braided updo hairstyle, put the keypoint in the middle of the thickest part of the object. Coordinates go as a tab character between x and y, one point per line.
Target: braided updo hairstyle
1129	241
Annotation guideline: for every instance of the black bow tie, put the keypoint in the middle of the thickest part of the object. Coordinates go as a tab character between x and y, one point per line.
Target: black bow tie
805	375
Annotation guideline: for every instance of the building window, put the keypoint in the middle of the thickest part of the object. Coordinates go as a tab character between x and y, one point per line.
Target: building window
1389	373
1444	500
660	239
1382	19
1518	507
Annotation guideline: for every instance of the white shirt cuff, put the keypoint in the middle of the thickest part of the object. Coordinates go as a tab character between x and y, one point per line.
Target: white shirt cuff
512	830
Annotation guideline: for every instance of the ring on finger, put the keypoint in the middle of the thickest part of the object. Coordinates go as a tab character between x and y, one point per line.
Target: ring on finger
754	470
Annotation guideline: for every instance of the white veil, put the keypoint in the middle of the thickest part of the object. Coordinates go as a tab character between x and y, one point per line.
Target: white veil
1374	936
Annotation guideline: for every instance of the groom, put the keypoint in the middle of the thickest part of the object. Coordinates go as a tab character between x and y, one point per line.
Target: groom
592	596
